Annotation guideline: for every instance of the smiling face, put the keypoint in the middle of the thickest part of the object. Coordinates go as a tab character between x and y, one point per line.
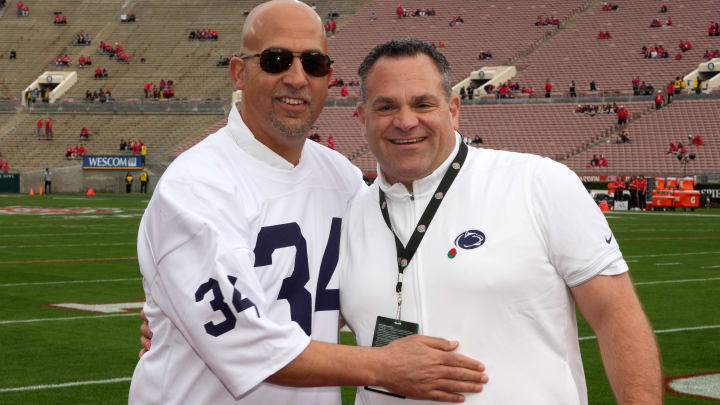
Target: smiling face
406	118
279	108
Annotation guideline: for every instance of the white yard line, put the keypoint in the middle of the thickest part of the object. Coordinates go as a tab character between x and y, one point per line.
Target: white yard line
716	252
114	280
667	264
43	235
666	331
69	318
69	245
711	267
676	214
63	385
689	280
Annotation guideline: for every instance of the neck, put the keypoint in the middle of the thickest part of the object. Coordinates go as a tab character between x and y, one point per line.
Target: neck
287	147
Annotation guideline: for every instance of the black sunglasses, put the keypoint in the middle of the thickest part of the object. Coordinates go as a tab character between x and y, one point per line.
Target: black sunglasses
279	60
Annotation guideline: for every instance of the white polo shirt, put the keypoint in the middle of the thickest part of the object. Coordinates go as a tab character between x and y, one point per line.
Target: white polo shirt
524	230
238	249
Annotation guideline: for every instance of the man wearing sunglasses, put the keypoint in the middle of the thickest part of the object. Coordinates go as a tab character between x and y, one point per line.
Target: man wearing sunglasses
239	245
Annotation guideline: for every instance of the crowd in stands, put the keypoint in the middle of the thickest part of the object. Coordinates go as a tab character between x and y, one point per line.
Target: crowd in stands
330	27
114	52
166	89
3	3
59	18
32	95
203	34
642	88
101	73
714	29
623	137
82	39
663	8
594	109
101	96
4	164
76	152
418	12
547	21
135	146
125	18
62	60
604	35
685	46
597	161
13	54
22	9
655	51
223	61
48	133
709	54
455	21
657	23
680	151
610	7
484	55
339	82
84	61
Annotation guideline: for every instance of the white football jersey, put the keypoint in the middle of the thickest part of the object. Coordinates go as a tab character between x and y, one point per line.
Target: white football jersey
238	258
493	271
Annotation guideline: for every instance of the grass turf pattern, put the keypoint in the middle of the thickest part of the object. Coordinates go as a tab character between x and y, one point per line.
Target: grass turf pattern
90	258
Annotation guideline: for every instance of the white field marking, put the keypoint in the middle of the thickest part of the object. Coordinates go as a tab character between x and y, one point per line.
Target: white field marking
69	245
68	318
63	385
665	214
710	267
113	308
80	198
114	280
631	261
675	254
39	234
689	280
667	264
707	386
666	331
665	230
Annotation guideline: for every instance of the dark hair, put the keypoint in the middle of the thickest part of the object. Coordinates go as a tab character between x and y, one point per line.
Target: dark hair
398	48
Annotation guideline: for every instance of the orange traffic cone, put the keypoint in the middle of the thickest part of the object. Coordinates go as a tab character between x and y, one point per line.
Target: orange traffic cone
40	190
604	207
32	192
91	192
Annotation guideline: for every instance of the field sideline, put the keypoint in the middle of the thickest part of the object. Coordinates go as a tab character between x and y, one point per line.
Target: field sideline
74	250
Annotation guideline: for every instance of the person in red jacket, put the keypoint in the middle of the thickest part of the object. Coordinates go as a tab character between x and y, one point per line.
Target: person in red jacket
658	100
49	128
84	133
333	26
696	140
147	88
642	190
633	187
673	149
40	125
670	91
619	188
344	91
399	12
331	142
548	88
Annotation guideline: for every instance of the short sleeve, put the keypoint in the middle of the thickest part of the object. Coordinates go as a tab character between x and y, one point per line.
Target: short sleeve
202	278
578	238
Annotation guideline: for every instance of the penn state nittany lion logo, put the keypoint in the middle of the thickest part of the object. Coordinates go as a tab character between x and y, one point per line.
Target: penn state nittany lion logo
470	239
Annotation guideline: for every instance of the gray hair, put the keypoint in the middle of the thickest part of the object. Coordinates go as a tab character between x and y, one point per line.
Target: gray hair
398	48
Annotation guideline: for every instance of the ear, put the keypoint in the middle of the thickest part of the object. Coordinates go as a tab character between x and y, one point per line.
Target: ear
361	115
454	106
237	72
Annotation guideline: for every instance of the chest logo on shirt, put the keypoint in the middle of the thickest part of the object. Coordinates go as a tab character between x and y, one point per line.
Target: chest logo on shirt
470	239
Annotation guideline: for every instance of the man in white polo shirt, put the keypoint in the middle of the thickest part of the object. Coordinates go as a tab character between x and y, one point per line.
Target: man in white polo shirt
477	246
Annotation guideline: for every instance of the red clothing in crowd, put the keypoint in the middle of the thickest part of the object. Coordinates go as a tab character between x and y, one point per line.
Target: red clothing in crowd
49	125
696	140
548	87
20	5
6	168
602	162
40	124
671	88
399	11
673	148
147	86
331	142
344	91
333	25
658	98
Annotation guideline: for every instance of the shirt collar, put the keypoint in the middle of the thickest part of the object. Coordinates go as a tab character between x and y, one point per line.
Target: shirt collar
421	187
246	141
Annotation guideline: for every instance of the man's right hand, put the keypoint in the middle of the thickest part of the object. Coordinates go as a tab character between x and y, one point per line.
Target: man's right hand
145	335
424	367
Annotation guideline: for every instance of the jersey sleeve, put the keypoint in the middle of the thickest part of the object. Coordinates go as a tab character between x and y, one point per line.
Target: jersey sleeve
578	238
199	266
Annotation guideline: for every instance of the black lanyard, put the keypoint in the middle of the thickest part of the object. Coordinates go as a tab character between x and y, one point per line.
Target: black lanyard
406	253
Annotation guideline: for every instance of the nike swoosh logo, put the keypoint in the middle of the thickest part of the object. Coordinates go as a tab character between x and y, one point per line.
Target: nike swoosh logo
608	240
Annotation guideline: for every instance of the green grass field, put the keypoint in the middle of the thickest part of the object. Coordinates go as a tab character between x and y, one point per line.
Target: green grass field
53	355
